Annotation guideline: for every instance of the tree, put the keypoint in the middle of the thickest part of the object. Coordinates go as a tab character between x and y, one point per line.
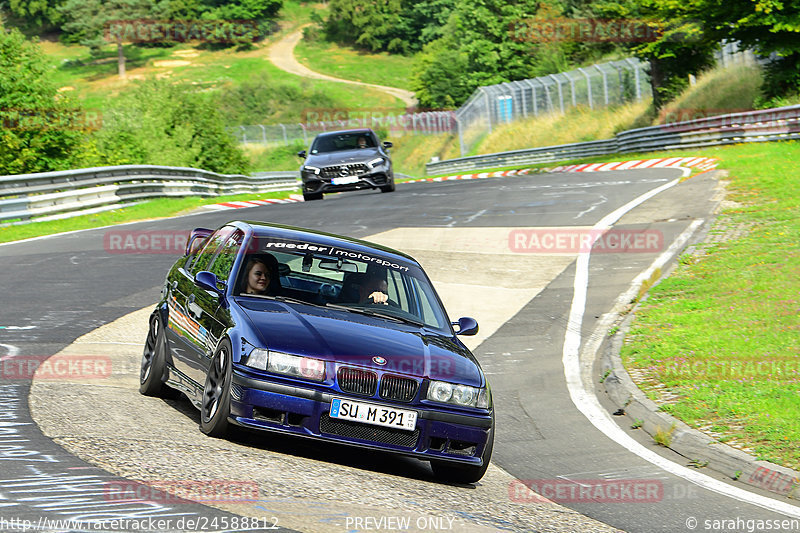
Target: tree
159	123
90	20
37	12
39	129
769	27
376	26
478	48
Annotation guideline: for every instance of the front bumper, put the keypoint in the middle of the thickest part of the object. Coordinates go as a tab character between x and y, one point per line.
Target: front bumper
313	183
439	434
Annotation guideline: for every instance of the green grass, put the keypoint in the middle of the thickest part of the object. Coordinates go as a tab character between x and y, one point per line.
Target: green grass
717	92
93	80
332	59
578	124
158	208
95	83
275	157
736	304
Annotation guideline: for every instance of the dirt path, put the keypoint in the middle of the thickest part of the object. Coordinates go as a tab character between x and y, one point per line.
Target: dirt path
282	56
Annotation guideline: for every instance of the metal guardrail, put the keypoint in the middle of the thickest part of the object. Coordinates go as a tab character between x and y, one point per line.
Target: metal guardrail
29	195
778	124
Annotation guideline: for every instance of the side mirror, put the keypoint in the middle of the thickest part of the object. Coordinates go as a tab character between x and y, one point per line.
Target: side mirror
387	144
301	153
208	281
466	326
196	240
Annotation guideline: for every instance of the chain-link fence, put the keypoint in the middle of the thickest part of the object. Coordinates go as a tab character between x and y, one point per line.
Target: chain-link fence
387	124
600	85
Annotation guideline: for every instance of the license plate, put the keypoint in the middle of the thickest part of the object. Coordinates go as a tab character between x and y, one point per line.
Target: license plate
378	415
345	180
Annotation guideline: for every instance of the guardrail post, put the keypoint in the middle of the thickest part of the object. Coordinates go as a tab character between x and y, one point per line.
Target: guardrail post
263	134
244	135
285	139
305	134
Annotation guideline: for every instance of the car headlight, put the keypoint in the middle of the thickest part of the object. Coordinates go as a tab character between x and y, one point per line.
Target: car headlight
307	168
461	395
375	162
290	365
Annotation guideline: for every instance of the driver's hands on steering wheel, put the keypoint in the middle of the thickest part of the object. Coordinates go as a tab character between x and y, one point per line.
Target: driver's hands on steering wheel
379	297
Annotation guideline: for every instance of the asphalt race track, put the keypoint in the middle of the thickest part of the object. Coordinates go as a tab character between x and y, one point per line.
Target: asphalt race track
82	438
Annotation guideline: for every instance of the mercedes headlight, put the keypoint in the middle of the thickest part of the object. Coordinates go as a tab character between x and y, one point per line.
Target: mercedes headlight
378	161
307	168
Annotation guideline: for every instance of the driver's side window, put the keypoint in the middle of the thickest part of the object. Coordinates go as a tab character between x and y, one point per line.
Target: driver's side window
223	263
206	255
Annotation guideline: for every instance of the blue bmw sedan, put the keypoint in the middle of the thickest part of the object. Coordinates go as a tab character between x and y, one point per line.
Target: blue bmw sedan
294	331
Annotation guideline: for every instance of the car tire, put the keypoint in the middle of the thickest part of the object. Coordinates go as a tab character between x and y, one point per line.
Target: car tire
465	474
309	196
389	187
153	370
215	405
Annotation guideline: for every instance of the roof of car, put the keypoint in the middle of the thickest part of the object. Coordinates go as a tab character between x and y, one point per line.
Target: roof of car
321	237
358	130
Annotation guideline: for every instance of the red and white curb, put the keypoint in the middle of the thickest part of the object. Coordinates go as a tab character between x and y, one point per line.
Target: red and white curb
701	163
481	175
254	203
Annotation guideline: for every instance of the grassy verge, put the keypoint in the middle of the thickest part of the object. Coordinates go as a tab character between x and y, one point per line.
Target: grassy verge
158	208
578	124
391	70
722	333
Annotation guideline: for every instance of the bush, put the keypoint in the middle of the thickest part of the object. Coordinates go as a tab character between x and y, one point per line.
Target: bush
159	123
39	129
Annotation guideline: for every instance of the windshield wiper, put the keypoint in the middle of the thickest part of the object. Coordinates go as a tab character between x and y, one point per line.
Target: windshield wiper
286	299
376	313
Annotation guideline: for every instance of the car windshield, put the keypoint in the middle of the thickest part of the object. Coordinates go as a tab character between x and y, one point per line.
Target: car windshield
345	278
336	142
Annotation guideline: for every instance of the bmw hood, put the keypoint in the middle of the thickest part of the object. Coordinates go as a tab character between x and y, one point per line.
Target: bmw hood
355	339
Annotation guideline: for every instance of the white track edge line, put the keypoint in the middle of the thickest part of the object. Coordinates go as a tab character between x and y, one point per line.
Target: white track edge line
590	407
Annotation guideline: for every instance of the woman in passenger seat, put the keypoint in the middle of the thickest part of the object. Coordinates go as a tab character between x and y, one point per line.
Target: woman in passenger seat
261	276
